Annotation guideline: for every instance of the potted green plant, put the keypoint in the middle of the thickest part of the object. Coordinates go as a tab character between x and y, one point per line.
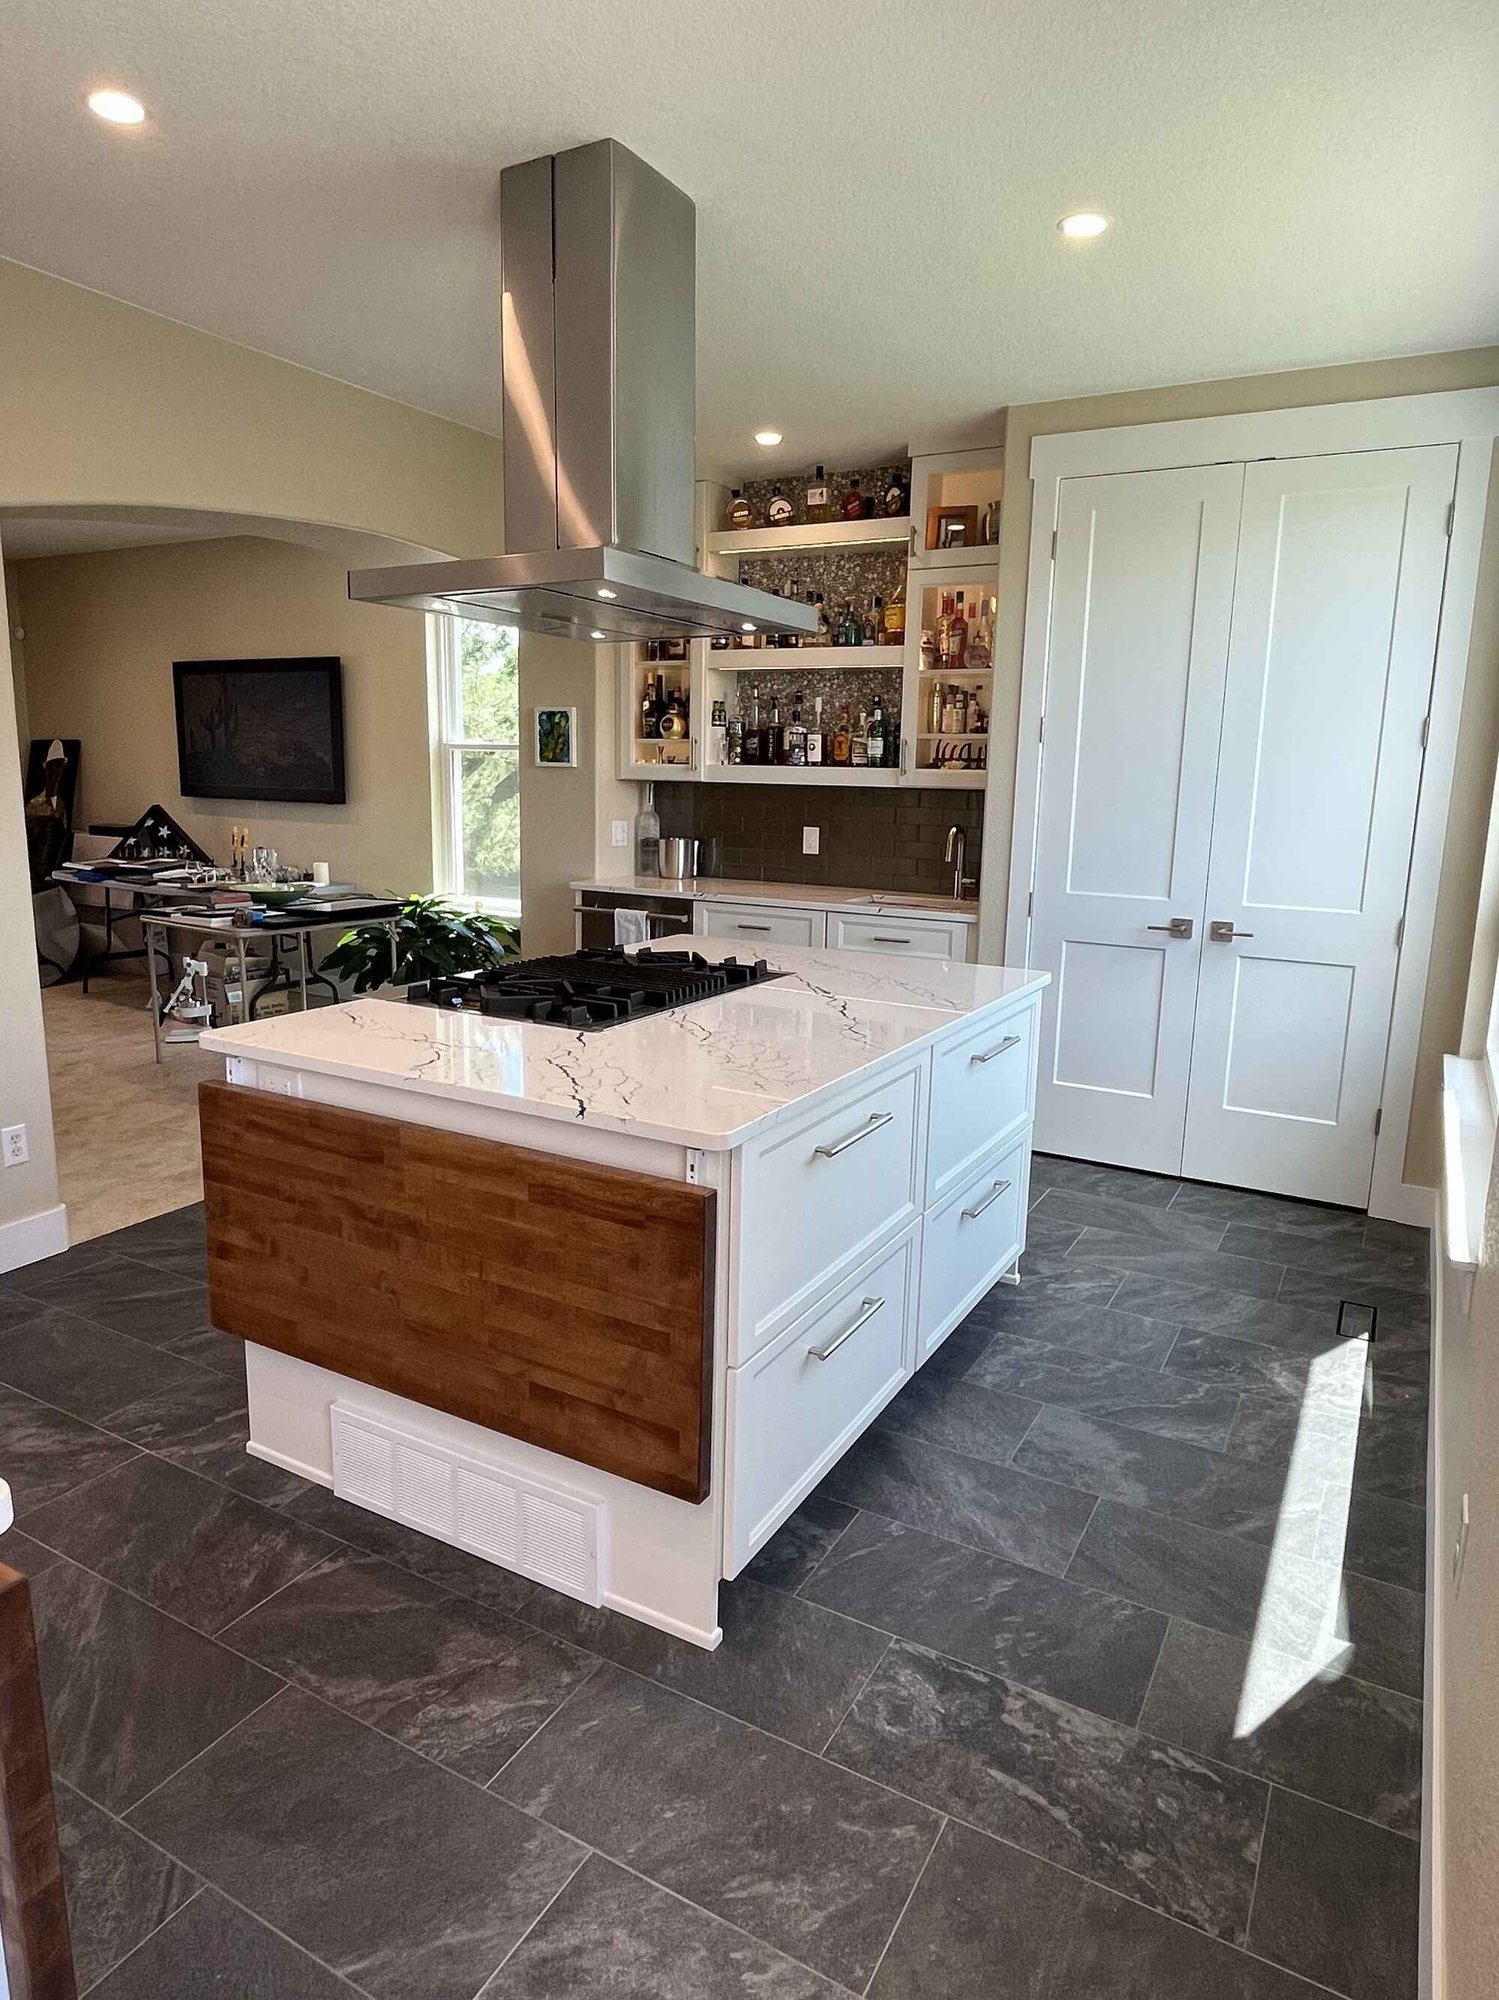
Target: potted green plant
433	937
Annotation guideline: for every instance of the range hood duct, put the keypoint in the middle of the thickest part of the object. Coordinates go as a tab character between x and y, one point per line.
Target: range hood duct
598	334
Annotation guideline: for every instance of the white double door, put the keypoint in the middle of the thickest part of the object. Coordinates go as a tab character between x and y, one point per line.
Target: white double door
1239	666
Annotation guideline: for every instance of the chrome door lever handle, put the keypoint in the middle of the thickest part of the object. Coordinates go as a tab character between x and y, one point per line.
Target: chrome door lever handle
1179	927
1223	932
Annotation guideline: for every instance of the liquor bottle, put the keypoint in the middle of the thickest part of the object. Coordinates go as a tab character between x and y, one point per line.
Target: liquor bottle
753	745
895	615
739	513
897	496
673	723
934	718
842	738
852	505
853	628
796	735
875	740
956	649
823	636
648	836
773	738
734	741
989	530
858	749
779	511
944	619
874	620
816	735
652	708
718	733
819	499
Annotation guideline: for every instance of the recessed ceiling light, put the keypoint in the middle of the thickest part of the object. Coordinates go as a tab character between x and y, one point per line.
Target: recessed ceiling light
767	437
598	635
116	107
604	591
1083	224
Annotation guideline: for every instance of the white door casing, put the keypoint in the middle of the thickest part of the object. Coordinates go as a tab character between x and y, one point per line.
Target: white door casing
1142	588
1337	606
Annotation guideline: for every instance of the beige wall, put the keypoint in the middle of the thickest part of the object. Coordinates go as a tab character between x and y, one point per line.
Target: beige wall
25	1098
103	630
565	815
18	664
1457	898
106	405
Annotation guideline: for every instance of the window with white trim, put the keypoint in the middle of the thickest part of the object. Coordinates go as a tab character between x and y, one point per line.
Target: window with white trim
477	755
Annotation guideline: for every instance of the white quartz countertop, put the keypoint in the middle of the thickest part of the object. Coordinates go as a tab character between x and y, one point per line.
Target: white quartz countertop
807	895
709	1075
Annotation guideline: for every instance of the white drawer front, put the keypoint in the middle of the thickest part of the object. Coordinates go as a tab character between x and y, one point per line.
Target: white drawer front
909	937
983	1088
967	1242
761	924
797	1407
818	1195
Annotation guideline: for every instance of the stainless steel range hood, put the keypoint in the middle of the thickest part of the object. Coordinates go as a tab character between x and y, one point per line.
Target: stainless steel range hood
598	332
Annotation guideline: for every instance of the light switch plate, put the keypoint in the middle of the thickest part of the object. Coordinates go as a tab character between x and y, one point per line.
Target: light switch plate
811	839
619	835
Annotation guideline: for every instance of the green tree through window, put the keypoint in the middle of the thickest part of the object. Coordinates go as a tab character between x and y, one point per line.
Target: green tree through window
480	729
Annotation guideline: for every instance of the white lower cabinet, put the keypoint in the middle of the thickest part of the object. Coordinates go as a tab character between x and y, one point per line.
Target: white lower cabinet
966	1242
796	1407
901	937
761	924
983	1091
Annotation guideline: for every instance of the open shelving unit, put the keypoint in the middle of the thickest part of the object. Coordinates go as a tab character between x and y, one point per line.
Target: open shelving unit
966	487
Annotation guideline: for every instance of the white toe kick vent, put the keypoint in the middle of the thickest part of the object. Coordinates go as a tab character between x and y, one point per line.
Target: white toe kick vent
540	1530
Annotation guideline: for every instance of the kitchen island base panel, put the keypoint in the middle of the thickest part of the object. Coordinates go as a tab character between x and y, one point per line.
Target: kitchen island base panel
660	1563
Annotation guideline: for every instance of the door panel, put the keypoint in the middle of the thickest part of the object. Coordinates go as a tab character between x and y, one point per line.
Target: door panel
1142	588
1336	609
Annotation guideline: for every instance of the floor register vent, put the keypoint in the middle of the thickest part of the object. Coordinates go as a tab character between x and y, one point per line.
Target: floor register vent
538	1530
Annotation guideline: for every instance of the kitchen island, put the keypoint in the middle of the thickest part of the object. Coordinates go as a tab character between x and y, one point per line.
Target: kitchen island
604	1305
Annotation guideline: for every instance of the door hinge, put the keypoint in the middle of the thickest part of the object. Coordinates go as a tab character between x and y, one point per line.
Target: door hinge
1053	544
1425	730
1378	1120
1399	933
1451	517
1030	903
1041	729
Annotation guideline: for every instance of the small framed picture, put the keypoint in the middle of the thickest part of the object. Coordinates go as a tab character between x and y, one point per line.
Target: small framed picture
952	528
557	736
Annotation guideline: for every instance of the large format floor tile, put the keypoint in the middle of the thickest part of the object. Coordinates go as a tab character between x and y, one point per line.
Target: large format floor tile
202	1423
609	1932
119	1887
800	1543
192	1548
156	1306
84	1369
1128	1252
1125	1810
131	1694
1080	1645
1337	1900
941	1409
1125	1392
1212	1310
806	1857
176	1241
987	1920
212	1951
406	1879
966	1499
1053	1170
1171	1227
461	1683
46	1454
1341	1740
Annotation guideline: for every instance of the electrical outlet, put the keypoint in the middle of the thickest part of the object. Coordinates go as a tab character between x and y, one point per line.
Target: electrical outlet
811	839
1460	1547
620	833
13	1147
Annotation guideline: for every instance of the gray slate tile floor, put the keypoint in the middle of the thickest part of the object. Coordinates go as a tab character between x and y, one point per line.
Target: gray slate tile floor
1093	1671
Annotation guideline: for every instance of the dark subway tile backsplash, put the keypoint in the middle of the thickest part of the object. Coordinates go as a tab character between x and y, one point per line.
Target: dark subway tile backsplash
869	839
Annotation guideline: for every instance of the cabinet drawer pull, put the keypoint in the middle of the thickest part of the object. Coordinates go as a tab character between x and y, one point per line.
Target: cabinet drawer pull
889	940
752	927
1009	1042
868	1309
973	1214
838	1146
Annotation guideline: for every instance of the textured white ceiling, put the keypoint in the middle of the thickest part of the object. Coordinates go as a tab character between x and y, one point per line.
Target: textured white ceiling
878	182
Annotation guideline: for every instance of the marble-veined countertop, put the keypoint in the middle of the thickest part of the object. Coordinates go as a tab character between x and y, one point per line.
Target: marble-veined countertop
805	895
708	1075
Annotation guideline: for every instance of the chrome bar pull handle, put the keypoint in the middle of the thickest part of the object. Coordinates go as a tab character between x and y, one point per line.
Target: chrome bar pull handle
1009	1042
869	1307
1179	927
842	1145
973	1214
1223	932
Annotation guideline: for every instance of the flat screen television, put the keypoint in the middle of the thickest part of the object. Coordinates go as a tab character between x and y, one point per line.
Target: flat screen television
261	729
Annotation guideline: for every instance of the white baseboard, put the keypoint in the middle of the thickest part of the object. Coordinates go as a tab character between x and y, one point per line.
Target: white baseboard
313	1474
32	1237
1409	1203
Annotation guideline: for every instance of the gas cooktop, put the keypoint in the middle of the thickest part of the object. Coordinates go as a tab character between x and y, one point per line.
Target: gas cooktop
592	989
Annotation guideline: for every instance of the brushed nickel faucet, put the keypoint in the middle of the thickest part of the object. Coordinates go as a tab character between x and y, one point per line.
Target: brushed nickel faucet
956	851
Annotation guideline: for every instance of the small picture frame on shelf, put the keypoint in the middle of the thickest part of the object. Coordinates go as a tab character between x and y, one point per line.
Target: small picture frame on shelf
952	528
557	737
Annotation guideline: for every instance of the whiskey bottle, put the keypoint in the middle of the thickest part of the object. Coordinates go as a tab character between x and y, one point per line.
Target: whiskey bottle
852	505
956	650
895	615
796	735
842	738
896	501
875	740
816	736
858	749
944	619
739	513
819	500
874	620
779	511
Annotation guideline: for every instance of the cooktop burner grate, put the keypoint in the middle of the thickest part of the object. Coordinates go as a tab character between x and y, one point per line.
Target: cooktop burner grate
591	989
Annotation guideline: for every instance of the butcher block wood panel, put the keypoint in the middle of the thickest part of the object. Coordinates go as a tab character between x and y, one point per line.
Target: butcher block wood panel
567	1304
38	1957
